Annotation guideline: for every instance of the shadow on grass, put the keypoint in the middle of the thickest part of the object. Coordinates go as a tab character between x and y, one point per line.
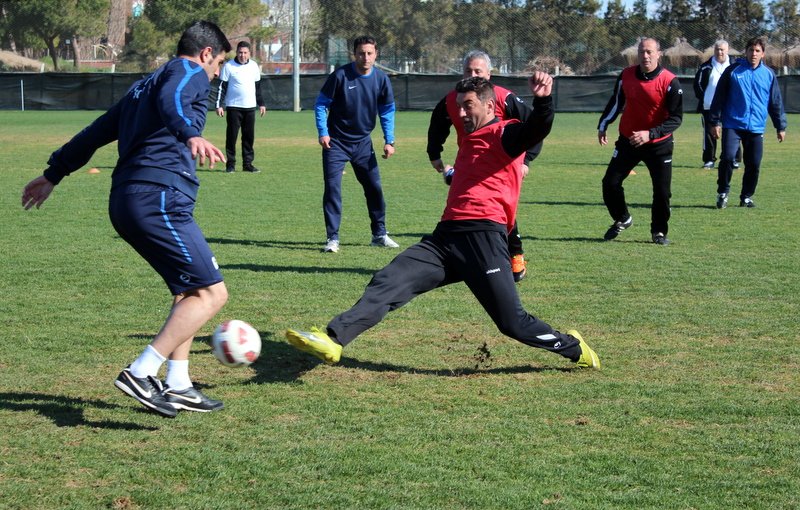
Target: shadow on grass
455	372
298	269
64	411
640	169
281	363
601	204
293	245
598	240
579	239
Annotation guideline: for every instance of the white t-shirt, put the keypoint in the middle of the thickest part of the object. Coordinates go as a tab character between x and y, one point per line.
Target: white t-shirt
713	78
242	79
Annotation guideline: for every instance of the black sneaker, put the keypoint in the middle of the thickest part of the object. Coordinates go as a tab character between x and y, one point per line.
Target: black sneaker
618	227
147	390
660	239
252	169
229	170
747	202
722	200
191	399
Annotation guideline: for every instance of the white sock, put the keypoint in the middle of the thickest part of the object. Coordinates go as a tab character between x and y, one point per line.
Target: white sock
178	374
148	363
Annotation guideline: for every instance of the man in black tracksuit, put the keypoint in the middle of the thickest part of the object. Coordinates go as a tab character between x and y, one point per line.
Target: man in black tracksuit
652	100
470	242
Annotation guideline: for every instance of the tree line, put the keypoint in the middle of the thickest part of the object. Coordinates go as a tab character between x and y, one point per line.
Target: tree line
577	36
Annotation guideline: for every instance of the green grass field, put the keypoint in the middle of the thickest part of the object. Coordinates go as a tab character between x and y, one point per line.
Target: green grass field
697	405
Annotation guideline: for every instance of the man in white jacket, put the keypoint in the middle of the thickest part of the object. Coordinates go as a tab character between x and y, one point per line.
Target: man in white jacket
705	84
241	95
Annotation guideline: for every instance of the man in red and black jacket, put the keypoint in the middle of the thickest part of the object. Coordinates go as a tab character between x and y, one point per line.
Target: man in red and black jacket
469	243
651	101
507	106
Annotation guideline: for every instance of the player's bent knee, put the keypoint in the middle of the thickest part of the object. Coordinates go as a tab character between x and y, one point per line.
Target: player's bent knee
219	295
214	296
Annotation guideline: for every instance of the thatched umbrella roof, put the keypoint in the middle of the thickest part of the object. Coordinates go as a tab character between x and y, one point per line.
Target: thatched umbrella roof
682	52
775	56
631	53
793	55
14	62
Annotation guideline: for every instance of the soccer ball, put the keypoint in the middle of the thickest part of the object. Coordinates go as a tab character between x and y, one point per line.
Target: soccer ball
236	343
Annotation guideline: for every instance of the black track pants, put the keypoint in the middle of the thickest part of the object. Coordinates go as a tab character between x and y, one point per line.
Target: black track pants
478	258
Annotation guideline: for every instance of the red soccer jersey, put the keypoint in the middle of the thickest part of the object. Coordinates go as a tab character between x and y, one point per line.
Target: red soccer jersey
645	102
487	180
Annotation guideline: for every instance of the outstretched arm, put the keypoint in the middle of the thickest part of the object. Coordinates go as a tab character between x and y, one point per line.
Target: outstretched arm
518	138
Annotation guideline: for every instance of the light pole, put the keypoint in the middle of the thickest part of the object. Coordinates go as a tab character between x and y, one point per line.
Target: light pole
296	58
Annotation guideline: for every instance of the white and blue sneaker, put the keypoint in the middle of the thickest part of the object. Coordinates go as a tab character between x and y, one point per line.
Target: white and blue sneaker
331	246
384	241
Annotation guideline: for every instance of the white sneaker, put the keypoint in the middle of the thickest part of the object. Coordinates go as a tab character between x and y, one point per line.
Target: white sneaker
384	241
332	246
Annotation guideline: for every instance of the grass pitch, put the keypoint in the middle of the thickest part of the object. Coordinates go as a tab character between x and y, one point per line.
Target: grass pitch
697	405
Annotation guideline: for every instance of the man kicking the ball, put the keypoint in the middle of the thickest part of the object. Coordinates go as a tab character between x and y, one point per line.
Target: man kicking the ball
158	126
470	242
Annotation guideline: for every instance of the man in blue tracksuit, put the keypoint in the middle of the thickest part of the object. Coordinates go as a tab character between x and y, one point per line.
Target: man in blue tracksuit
747	92
346	108
158	126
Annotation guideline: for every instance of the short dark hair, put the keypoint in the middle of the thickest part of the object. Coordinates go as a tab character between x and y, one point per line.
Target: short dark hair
481	86
756	41
243	44
364	39
203	34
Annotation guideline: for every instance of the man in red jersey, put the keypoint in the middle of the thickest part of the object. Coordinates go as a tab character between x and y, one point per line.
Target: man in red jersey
469	244
507	106
651	101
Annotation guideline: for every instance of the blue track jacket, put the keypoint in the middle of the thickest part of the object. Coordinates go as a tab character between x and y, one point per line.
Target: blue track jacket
745	96
348	104
152	123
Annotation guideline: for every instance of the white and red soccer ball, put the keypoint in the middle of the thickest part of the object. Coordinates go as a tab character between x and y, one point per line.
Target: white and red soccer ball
236	343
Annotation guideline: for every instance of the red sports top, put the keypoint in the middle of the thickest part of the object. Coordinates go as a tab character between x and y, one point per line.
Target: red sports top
488	186
645	102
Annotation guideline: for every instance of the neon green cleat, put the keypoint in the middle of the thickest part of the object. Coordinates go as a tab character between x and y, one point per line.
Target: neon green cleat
588	357
317	343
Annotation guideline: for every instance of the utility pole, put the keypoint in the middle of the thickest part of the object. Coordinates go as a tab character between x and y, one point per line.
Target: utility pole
296	61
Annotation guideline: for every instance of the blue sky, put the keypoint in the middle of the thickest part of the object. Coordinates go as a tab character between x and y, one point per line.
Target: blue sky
651	5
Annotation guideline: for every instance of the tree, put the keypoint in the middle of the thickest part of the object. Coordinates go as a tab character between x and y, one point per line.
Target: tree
786	21
639	9
117	24
54	21
145	45
615	10
155	34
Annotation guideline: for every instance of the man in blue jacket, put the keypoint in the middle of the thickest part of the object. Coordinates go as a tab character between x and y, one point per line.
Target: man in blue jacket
158	126
747	92
346	108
